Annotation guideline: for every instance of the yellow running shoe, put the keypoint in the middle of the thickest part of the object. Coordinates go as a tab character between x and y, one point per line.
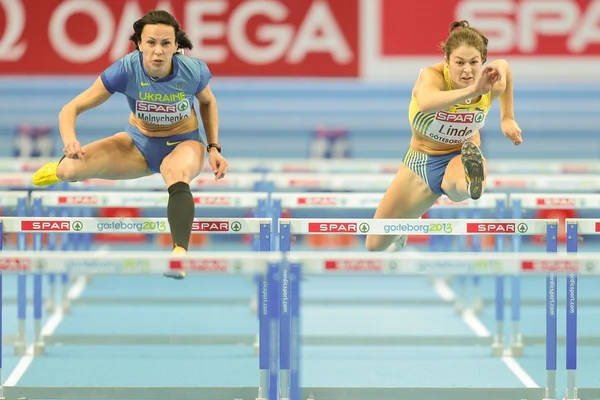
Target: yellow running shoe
46	175
177	251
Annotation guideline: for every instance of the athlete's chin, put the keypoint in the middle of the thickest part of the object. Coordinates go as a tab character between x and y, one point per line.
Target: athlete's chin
464	83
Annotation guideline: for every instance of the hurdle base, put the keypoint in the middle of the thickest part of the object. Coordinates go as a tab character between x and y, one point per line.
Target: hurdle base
20	348
249	393
39	348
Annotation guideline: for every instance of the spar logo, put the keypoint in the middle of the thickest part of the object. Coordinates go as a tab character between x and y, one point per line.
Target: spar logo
79	200
354	265
550	266
202	265
212	200
460	118
317	201
497	227
216	226
15	264
556	202
332	227
45	226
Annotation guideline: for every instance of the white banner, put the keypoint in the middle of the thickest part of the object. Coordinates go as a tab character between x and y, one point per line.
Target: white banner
129	225
418	226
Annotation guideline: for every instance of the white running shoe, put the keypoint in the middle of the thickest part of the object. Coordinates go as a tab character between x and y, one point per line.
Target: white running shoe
398	244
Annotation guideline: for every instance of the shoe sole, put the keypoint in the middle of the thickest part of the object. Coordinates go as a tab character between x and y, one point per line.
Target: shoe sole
472	161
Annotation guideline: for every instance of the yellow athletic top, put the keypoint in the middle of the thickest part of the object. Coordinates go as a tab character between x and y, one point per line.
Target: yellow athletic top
455	125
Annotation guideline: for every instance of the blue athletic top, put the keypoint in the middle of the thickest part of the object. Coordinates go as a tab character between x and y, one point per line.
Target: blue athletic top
157	101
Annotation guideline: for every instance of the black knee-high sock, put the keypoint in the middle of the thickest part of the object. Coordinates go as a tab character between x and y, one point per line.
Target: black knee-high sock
180	213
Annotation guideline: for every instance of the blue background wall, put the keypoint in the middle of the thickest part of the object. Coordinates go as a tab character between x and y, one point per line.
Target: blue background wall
274	118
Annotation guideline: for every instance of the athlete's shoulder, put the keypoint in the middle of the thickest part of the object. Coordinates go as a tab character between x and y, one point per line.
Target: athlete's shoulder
116	76
196	69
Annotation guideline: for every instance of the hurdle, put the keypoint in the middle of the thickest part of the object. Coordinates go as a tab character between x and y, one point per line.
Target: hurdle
494	202
575	229
354	165
280	363
260	228
46	203
361	182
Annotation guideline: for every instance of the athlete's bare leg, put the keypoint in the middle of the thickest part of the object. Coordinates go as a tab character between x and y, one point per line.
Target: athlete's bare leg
114	157
408	196
455	184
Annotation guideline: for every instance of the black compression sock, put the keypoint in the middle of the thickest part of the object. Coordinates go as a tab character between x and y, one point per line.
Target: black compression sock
180	213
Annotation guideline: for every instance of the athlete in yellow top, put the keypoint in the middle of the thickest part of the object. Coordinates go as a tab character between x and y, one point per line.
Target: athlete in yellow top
449	105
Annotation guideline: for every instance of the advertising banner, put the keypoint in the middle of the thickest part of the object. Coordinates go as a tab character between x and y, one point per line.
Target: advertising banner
235	37
540	39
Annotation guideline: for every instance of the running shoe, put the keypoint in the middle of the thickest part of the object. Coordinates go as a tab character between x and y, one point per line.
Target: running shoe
46	175
179	275
398	244
472	161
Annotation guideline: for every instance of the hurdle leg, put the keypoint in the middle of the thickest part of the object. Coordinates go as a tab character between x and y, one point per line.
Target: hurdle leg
285	330
263	356
516	338
1	314
66	302
38	341
571	331
498	341
20	344
551	330
52	245
296	344
478	302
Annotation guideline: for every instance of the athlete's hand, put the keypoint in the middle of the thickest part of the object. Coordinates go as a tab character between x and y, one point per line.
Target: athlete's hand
217	163
487	79
512	131
73	150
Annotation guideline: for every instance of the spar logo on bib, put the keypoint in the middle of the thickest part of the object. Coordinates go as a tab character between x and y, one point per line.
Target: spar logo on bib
153	109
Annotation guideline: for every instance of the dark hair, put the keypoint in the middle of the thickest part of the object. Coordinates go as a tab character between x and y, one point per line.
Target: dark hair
463	34
162	17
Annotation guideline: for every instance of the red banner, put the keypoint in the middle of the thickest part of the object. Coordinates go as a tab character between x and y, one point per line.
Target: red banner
234	37
514	27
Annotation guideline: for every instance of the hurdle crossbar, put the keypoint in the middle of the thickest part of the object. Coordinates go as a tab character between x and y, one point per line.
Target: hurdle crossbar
130	225
370	200
313	263
355	165
141	199
349	226
584	226
346	182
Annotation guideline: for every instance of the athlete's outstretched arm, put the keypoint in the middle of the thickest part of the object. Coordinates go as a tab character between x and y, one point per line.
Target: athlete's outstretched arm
88	99
504	89
431	94
209	114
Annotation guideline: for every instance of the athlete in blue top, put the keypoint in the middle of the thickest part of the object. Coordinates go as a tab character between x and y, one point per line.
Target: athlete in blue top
162	135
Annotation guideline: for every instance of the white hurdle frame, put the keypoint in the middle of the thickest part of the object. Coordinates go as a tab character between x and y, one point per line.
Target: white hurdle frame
354	165
146	200
334	181
260	227
311	263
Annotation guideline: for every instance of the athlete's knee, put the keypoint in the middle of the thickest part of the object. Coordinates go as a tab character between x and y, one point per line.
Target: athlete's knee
67	171
173	172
